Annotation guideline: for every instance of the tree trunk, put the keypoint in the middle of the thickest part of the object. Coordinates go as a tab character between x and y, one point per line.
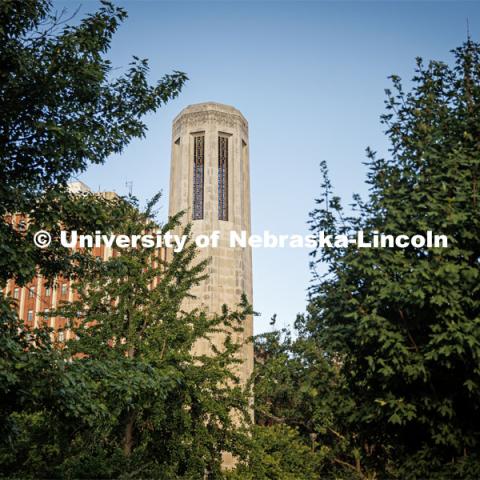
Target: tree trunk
128	437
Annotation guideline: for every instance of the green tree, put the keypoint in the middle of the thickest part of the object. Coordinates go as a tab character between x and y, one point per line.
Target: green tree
298	392
137	401
404	324
62	107
29	383
277	452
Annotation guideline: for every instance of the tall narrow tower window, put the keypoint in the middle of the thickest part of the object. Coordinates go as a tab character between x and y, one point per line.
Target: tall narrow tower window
223	178
198	176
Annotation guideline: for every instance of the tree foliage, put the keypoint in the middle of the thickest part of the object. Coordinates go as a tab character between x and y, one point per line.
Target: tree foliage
62	108
276	452
404	323
301	395
130	398
381	376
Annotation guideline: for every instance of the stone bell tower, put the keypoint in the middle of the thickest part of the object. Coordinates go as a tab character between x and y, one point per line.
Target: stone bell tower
210	180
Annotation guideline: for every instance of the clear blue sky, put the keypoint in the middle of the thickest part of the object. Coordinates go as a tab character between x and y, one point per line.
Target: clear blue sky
310	79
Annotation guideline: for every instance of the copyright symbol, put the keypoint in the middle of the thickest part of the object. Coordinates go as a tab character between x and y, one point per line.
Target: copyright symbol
42	239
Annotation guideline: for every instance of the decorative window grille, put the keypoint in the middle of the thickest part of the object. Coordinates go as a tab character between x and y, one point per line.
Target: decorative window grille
198	176
222	178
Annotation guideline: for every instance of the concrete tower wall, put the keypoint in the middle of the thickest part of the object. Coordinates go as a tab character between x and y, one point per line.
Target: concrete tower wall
230	270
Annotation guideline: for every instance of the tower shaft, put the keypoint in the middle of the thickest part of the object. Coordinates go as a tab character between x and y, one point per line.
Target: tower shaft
210	181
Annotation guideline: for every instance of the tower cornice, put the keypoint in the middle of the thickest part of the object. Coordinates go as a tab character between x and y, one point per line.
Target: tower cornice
204	112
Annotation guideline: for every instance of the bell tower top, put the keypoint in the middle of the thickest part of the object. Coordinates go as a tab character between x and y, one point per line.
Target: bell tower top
210	167
210	106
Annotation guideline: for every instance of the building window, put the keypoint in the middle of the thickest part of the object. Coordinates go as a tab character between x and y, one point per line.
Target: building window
47	291
222	178
30	316
61	336
31	292
64	289
198	176
16	292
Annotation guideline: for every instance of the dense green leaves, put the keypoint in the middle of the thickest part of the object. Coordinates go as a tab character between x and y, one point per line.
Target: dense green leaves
277	452
126	396
405	322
